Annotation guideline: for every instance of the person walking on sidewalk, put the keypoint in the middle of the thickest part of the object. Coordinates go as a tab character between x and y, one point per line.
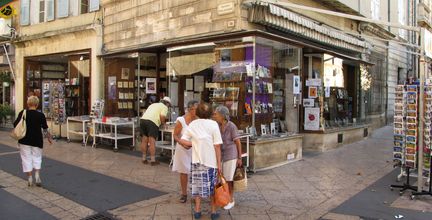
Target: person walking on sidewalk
183	157
32	144
153	117
204	137
231	148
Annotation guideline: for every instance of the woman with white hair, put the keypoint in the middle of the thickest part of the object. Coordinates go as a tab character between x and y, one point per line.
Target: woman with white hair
183	157
231	148
32	143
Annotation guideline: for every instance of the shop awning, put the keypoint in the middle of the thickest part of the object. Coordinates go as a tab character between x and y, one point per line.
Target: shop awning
190	64
294	23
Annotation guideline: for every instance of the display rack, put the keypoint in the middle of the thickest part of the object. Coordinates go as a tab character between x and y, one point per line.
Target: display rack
427	145
113	134
405	133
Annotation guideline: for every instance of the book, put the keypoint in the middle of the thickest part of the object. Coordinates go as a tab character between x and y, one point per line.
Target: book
232	93
219	93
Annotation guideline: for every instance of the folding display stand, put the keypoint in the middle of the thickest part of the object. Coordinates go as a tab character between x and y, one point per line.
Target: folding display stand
406	185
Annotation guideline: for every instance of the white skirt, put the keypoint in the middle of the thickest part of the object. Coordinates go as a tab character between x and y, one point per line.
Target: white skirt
228	169
182	160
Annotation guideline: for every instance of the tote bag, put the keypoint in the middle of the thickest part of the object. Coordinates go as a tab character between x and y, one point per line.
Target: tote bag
222	196
20	130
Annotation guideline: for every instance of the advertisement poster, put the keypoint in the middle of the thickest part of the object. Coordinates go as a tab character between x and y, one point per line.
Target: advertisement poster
312	119
112	88
151	85
313	92
296	84
308	102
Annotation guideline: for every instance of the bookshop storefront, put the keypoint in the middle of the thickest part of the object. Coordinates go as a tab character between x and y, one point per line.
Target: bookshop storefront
62	84
258	79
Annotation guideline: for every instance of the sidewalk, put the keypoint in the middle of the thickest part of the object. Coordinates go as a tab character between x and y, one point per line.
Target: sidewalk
307	189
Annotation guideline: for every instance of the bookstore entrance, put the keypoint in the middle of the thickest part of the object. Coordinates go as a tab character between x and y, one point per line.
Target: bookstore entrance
61	82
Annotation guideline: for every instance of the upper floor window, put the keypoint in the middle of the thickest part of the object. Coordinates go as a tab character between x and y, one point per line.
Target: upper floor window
39	11
375	9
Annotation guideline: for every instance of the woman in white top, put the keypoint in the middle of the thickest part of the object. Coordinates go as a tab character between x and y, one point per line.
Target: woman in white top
204	136
183	156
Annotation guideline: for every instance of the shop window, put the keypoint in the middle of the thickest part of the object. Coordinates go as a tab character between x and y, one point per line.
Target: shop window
330	92
62	83
258	90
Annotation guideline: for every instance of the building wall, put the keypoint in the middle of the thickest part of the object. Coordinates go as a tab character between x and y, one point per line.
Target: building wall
137	24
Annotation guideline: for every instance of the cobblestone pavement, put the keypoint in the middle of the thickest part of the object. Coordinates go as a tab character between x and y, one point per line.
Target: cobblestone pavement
307	189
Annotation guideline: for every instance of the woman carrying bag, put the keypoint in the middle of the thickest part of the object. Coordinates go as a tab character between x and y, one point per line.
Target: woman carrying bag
204	138
32	143
231	148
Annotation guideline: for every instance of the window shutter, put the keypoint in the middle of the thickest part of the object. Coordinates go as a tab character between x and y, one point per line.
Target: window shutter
62	8
25	12
93	5
49	10
74	5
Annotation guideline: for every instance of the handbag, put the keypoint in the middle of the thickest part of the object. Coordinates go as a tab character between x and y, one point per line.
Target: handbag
222	196
20	130
240	179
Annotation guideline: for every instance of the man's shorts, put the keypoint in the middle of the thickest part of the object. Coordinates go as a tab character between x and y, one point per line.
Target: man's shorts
149	128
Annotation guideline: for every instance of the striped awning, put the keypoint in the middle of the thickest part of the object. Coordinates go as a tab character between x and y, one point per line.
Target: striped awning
294	23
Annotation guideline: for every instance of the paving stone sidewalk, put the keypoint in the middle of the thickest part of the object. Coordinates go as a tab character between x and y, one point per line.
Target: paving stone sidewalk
307	189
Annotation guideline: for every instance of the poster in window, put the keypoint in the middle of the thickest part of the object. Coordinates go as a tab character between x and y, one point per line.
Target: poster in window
189	84
327	92
313	92
312	119
225	58
125	73
112	87
151	85
296	84
308	102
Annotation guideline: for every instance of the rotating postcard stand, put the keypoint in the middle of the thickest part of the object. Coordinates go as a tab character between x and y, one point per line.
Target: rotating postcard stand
405	133
414	194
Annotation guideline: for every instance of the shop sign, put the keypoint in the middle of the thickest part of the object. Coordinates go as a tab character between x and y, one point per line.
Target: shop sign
427	38
313	82
225	8
312	119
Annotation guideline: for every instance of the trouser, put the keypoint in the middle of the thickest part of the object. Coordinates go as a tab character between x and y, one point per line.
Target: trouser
31	157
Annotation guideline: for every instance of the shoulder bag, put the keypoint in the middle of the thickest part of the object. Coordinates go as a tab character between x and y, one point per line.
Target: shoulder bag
20	130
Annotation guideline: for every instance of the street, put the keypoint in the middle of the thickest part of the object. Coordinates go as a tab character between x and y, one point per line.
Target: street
79	182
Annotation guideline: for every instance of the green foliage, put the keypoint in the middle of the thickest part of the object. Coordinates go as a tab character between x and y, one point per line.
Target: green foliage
5	77
6	110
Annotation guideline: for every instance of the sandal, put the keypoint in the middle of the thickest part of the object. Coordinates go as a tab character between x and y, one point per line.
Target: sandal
145	161
183	198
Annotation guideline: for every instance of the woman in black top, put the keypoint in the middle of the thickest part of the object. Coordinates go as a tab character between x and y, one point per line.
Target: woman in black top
31	145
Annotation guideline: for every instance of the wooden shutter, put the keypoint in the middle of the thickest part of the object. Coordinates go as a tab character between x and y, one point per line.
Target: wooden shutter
62	8
93	5
25	12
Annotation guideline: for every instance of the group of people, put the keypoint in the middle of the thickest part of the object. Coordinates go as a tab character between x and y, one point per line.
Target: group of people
208	144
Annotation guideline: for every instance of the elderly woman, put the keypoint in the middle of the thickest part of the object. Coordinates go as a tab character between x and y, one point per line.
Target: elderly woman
231	148
31	145
204	136
183	156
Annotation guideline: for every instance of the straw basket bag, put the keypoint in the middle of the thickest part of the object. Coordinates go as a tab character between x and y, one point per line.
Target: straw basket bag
240	179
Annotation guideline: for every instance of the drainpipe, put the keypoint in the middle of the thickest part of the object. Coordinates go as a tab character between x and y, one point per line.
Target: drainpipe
387	67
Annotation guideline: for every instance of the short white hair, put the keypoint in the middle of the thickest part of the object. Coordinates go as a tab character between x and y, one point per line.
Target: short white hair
224	111
33	101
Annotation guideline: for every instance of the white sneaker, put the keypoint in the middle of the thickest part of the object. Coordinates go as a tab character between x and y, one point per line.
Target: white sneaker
229	205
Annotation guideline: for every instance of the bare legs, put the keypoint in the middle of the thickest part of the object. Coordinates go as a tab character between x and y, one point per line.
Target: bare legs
231	189
144	144
183	183
148	143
